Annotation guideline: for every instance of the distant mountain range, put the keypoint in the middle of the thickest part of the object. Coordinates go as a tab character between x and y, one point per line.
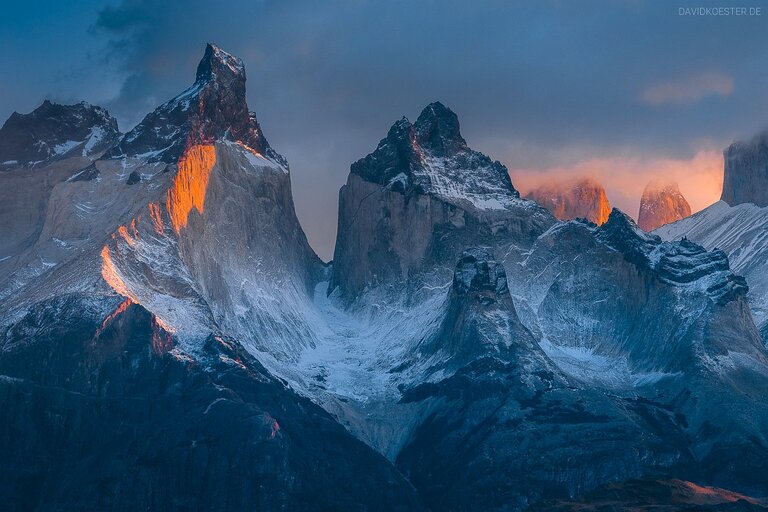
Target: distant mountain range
170	341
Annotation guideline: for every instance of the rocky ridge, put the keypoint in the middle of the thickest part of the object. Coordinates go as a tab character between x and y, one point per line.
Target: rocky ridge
54	132
213	108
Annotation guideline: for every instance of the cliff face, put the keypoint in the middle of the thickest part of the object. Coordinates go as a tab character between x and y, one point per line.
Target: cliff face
419	200
584	198
745	178
661	204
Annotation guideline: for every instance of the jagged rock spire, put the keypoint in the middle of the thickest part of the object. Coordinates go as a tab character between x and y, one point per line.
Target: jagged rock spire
437	128
216	63
431	157
661	204
213	108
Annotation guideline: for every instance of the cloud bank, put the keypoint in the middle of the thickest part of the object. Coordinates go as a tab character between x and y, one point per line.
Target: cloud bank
689	90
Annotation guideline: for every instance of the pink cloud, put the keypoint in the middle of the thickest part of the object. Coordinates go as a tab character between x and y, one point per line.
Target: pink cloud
700	178
688	90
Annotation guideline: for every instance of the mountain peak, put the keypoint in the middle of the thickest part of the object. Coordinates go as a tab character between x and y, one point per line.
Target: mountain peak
53	131
571	199
218	63
661	204
620	225
437	129
431	157
213	108
621	233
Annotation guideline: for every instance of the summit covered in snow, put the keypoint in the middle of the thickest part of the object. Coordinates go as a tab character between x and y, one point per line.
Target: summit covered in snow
214	107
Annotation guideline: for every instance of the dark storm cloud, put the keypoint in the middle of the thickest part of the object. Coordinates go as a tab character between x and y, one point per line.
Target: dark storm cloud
535	84
122	18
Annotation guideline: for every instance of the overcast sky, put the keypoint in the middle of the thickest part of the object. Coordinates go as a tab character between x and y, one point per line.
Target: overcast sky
620	90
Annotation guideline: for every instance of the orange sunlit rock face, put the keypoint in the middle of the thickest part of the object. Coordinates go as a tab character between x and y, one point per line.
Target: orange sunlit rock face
190	184
111	276
574	198
162	339
108	320
707	495
157	218
700	178
129	237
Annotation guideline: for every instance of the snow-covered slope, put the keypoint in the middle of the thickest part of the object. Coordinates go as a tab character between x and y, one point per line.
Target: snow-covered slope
618	308
740	231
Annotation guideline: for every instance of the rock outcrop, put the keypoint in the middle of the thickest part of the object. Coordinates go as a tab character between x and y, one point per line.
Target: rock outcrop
480	318
661	204
739	232
213	108
54	132
583	198
419	200
745	177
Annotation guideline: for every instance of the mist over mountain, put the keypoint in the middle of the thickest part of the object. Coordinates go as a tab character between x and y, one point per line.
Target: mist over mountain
170	340
661	204
745	178
582	198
